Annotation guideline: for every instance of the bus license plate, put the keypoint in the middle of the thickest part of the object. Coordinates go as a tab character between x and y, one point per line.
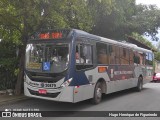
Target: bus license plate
42	91
49	85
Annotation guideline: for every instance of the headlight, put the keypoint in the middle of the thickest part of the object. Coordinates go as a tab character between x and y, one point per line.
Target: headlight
66	83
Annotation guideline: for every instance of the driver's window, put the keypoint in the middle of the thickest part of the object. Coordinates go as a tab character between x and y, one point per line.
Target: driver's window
83	56
79	54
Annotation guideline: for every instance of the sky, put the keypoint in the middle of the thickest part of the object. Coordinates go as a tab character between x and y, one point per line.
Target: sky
148	2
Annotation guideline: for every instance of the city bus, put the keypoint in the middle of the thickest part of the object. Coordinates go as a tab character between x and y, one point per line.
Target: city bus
71	65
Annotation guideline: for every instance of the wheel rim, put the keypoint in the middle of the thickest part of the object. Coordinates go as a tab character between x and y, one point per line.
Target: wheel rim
98	93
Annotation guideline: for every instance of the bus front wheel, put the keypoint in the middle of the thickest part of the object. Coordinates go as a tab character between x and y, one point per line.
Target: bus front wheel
97	94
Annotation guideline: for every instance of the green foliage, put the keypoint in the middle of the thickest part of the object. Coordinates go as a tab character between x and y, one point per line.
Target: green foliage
112	24
27	16
157	56
8	64
141	39
146	20
21	18
123	17
101	14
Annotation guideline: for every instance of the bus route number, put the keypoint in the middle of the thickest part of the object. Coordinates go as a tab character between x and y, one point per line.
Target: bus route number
50	85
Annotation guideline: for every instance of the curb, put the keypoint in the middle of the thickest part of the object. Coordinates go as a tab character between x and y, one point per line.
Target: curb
12	100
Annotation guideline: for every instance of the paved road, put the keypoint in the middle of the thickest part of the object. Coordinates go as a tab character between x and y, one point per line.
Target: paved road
146	100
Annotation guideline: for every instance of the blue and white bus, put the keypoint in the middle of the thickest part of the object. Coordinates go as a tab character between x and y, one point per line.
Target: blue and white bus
71	65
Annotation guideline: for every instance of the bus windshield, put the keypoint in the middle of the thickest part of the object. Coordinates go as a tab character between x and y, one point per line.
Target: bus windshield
47	57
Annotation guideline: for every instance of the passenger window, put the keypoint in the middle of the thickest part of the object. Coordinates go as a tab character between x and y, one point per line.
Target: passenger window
147	58
142	60
117	60
114	54
87	54
136	58
131	57
150	59
124	56
102	55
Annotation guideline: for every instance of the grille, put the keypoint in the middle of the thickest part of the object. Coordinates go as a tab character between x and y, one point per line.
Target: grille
51	95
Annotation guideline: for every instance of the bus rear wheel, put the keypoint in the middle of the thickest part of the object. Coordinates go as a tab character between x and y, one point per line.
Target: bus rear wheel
97	94
139	84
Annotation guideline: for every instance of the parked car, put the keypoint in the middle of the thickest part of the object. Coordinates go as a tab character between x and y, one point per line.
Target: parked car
156	77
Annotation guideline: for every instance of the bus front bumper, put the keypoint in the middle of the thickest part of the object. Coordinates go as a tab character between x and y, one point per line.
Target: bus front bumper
63	94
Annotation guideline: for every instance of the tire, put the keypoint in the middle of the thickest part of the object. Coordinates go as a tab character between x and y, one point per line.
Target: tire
97	94
139	84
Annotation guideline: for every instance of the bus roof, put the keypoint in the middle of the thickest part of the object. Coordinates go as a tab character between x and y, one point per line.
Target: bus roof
110	41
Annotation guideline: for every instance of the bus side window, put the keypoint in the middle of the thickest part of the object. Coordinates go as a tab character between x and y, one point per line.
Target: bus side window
124	56
150	59
102	54
114	54
117	55
87	54
147	58
131	57
136	58
142	60
84	56
127	56
79	54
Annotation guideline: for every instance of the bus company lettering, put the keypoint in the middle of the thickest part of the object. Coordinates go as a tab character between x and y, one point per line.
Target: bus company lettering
122	72
33	84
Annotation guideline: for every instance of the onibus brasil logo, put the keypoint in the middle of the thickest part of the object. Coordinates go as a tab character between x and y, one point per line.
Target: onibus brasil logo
8	113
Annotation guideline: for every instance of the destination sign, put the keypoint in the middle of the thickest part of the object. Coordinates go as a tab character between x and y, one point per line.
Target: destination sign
51	34
33	65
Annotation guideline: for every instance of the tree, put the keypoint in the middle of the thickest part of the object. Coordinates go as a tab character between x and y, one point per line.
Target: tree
146	21
117	18
21	18
110	17
157	54
8	65
143	40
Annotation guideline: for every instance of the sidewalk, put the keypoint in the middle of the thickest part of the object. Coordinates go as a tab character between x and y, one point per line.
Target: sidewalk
5	99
